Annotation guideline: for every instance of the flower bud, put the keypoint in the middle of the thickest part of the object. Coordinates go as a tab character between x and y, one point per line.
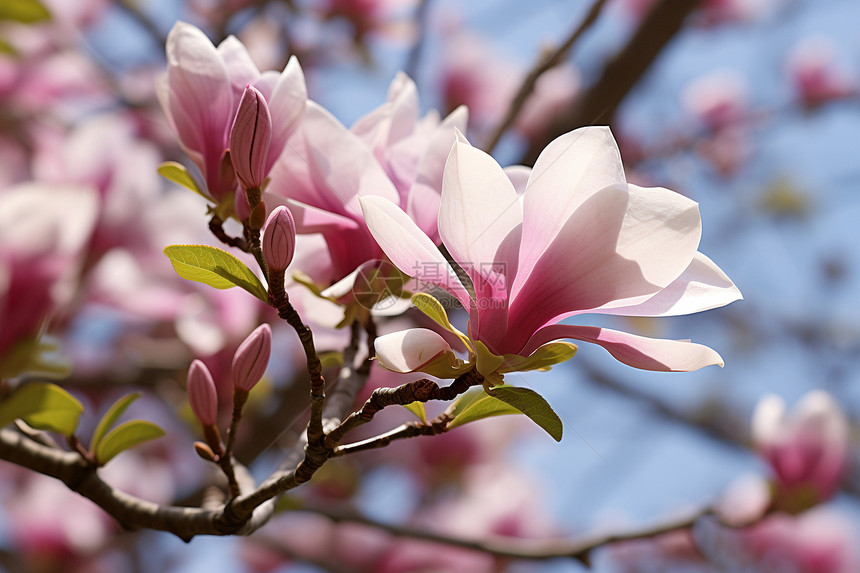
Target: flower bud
250	139
279	239
202	394
252	358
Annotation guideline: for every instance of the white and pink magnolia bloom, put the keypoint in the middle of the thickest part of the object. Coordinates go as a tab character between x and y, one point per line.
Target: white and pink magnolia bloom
816	74
578	239
200	94
391	152
807	448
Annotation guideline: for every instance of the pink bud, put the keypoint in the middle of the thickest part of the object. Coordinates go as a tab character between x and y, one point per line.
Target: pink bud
252	358
279	239
807	448
250	138
202	394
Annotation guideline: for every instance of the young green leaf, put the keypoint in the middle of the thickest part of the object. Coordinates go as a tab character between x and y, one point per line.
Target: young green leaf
176	172
417	408
43	406
125	436
543	359
476	405
24	11
429	305
532	405
111	416
214	267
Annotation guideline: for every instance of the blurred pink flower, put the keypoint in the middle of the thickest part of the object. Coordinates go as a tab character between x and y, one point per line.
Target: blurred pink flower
807	448
391	152
554	94
200	94
636	255
815	75
717	99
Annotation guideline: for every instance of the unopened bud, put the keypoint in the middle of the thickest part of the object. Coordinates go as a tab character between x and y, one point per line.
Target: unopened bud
252	358
279	239
258	216
205	452
250	138
202	394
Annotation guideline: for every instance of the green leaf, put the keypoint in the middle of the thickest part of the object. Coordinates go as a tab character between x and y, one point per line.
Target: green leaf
486	363
476	404
125	436
532	405
430	306
43	406
417	408
111	416
24	11
176	172
214	267
543	359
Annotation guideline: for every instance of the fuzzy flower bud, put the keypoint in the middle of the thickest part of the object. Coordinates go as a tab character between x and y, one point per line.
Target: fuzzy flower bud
252	358
250	139
202	394
279	239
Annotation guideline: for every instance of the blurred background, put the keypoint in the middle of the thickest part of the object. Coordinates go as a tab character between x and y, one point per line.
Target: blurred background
749	107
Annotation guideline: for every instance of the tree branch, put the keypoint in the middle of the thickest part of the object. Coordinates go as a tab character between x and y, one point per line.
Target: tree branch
599	103
547	62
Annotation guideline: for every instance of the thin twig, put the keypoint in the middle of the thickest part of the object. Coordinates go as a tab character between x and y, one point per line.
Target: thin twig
547	62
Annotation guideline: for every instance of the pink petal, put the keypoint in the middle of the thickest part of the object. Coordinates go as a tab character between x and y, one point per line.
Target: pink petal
326	166
240	66
571	169
287	105
701	287
409	350
408	248
480	215
636	351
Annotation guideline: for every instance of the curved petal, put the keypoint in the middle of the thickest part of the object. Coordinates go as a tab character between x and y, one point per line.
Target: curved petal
287	105
408	248
568	171
409	350
701	287
619	248
240	67
636	351
201	98
309	219
480	215
325	165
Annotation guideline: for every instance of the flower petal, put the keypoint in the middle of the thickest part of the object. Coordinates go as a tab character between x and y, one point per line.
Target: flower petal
636	351
568	171
409	248
409	350
701	287
287	105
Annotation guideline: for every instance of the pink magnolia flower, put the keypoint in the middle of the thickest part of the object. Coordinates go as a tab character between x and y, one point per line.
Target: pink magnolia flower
279	239
250	139
815	74
200	94
252	358
391	152
578	239
807	448
717	99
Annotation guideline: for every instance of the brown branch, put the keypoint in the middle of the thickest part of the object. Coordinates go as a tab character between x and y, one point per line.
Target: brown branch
422	390
547	62
414	57
404	431
599	103
525	548
216	227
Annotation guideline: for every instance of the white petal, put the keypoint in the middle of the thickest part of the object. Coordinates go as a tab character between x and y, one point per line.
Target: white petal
480	216
701	287
409	350
568	171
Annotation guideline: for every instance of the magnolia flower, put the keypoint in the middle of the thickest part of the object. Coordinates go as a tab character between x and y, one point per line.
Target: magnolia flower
252	358
816	75
578	239
200	94
391	153
807	448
